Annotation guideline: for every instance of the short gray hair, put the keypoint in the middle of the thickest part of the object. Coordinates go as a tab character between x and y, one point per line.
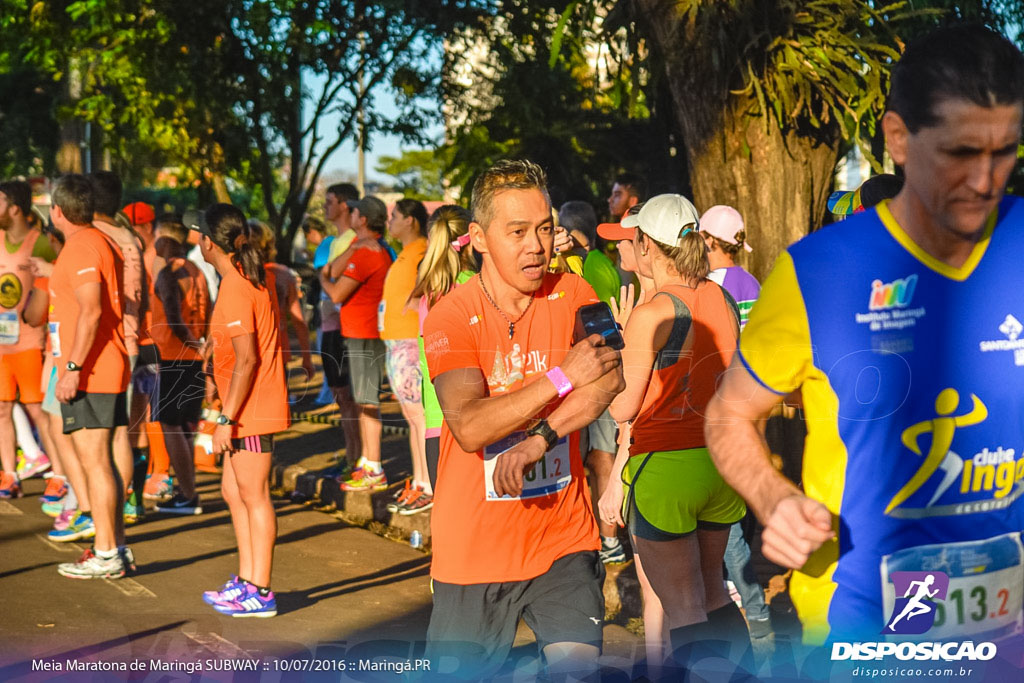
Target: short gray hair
507	174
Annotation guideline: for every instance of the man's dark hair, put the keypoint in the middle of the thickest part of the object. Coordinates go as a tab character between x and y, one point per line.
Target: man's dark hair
75	196
636	185
171	224
878	188
106	186
345	192
19	193
963	61
577	215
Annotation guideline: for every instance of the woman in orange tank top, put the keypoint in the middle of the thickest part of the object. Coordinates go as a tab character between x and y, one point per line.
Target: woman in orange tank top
676	505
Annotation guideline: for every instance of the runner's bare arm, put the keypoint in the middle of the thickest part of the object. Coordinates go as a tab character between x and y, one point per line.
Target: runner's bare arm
341	290
477	419
579	409
294	313
34	313
585	404
795	525
336	267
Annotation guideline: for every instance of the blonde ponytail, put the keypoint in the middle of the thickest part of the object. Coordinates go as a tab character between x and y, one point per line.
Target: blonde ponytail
442	262
689	256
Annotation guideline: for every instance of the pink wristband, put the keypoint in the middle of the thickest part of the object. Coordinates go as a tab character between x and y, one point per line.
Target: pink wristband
561	382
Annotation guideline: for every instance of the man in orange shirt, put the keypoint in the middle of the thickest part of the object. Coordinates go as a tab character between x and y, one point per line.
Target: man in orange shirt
359	290
181	313
147	441
87	339
513	534
106	187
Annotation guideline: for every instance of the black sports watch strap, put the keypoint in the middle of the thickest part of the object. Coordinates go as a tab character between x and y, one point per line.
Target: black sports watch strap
72	366
544	430
223	419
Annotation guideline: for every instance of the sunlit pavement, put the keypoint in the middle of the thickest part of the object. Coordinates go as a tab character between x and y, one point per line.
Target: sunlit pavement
343	593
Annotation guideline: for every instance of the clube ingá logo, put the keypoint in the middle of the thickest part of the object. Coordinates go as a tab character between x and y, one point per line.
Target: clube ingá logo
914	613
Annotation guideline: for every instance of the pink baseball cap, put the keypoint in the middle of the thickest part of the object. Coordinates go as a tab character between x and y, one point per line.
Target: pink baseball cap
724	223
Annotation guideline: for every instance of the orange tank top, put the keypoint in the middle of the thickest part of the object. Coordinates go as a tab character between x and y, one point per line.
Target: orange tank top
16	281
686	369
195	306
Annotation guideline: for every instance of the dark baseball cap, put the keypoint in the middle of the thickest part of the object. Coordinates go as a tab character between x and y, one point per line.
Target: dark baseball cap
372	209
194	219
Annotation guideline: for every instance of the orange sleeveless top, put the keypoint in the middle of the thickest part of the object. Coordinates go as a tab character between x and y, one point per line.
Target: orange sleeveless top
16	281
686	369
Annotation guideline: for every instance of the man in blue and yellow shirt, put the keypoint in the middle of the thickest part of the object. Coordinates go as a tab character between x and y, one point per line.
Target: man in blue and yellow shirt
903	328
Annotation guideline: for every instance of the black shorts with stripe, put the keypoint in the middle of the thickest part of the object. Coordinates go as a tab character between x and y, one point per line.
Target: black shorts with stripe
259	443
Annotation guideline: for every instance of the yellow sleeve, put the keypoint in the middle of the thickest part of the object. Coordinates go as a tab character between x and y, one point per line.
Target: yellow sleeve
775	345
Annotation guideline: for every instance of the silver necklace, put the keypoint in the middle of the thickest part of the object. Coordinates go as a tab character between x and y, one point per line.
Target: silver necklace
511	323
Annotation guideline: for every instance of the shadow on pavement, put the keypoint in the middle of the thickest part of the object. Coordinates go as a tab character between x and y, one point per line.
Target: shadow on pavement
296	600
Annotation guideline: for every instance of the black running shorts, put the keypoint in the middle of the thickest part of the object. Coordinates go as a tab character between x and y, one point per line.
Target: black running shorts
475	624
95	411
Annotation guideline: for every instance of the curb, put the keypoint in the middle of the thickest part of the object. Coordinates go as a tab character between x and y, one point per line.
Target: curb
320	418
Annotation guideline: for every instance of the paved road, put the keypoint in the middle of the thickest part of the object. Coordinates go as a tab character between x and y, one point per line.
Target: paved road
344	594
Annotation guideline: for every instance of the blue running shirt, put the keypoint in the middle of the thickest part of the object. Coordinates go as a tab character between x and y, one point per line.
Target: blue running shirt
912	374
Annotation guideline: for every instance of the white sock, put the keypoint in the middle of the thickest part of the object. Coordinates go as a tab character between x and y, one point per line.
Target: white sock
23	428
610	540
70	500
106	554
374	467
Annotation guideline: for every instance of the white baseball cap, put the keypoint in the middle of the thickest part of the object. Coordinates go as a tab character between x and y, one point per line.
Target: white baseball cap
664	218
724	223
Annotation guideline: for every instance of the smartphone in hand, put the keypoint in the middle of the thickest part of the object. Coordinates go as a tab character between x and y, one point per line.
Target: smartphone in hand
597	319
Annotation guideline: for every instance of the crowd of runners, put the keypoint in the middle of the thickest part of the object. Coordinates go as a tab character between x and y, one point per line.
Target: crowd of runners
530	347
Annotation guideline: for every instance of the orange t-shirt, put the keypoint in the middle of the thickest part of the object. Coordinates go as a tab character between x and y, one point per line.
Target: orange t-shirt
393	320
686	369
134	276
89	256
195	305
241	309
477	537
359	313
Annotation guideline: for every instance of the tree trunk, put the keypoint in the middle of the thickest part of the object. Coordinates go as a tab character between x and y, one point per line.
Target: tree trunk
69	154
220	187
778	180
780	184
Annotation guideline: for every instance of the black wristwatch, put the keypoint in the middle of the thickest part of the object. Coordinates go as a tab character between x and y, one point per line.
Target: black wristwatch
544	430
223	419
72	366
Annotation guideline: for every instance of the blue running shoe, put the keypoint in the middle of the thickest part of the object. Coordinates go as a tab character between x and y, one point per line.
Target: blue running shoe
132	513
226	593
79	528
249	604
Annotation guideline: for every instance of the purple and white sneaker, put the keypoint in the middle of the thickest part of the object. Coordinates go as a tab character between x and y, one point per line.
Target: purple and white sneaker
226	593
249	604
